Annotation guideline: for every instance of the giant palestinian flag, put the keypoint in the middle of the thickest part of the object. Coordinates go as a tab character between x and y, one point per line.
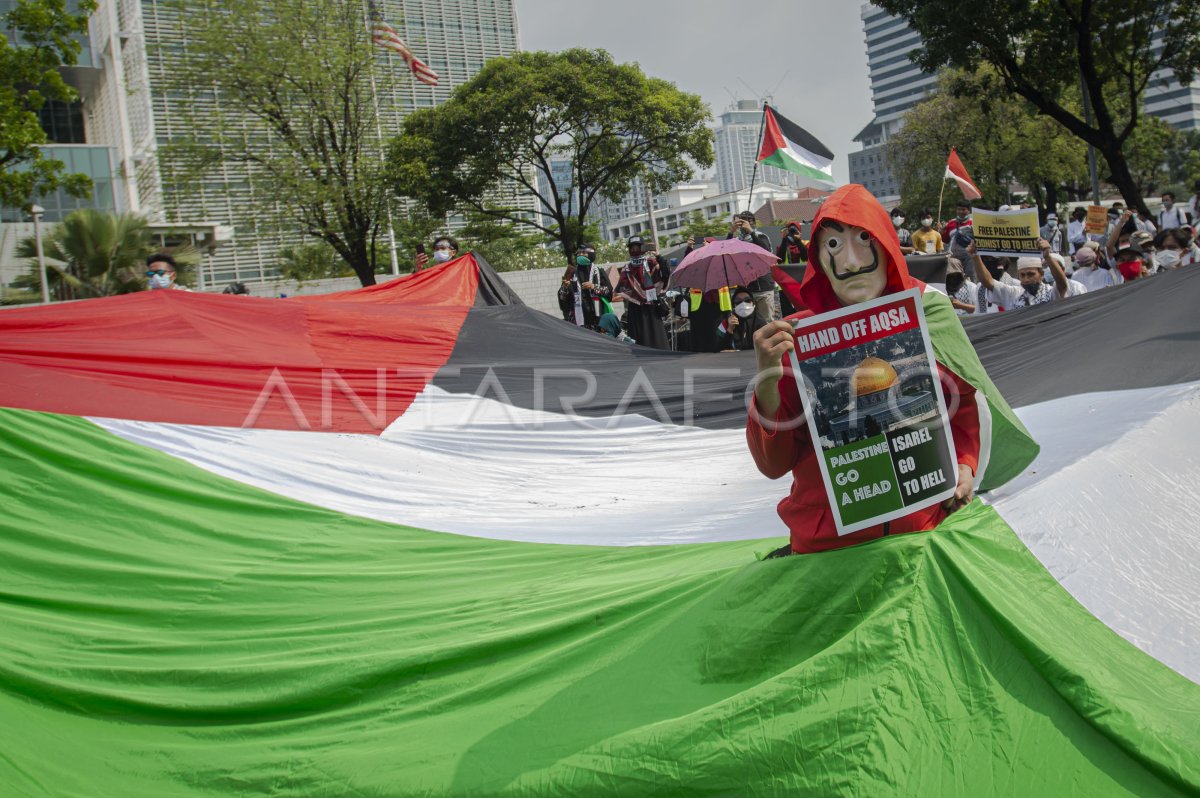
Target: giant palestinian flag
419	539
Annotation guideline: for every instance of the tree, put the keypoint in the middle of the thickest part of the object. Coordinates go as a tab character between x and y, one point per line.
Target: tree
47	39
1001	142
91	254
293	81
1042	49
522	115
315	261
699	228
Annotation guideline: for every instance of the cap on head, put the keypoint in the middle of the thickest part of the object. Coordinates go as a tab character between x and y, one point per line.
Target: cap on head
1085	256
749	217
634	241
1052	215
1140	238
1029	263
1131	250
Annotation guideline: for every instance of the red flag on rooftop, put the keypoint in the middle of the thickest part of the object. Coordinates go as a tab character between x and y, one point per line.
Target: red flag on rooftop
956	170
386	37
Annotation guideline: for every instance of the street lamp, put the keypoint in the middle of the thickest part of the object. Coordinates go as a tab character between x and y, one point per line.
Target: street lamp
36	212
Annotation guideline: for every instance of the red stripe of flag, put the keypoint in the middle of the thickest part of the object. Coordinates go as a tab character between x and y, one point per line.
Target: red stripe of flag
956	170
386	37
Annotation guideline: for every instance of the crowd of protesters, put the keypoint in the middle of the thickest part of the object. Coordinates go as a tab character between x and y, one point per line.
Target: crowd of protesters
1071	262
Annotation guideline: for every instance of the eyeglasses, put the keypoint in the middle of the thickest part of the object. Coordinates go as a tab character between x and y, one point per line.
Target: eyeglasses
153	272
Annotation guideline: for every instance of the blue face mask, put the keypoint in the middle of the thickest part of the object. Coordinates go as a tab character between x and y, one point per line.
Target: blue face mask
160	281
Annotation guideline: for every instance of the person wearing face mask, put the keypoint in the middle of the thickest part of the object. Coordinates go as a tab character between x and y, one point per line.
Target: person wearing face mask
445	249
641	287
1172	216
927	240
962	218
1032	289
584	286
1131	262
1119	238
962	292
906	244
854	257
1089	271
791	249
737	330
744	228
161	273
1052	232
1176	248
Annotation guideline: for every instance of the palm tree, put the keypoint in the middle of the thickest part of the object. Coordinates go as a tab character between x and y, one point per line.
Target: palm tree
91	253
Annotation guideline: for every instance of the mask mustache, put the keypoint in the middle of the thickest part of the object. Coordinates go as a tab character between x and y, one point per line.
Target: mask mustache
865	270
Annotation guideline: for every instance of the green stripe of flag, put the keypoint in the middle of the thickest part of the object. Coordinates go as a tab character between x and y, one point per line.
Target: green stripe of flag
179	633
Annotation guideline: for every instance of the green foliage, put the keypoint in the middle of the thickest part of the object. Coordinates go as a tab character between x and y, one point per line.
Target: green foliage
1183	161
29	77
91	254
519	114
699	227
1042	50
296	74
316	261
1002	141
1145	150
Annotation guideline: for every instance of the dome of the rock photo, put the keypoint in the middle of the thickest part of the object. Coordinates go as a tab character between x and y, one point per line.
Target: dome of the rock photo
871	376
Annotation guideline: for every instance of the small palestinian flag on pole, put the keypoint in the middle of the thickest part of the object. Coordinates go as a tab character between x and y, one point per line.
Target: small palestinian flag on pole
956	170
788	146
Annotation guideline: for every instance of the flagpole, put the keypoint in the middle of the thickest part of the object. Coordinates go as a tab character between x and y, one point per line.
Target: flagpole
940	195
387	200
762	125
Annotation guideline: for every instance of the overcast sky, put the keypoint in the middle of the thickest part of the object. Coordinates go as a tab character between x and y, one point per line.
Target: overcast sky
809	55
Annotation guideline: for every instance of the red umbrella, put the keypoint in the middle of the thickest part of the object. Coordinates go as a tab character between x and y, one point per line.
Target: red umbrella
721	263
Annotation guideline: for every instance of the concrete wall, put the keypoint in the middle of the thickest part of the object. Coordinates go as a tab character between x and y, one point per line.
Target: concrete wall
537	288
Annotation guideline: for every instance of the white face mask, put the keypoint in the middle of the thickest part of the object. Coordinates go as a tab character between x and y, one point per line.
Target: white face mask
897	220
1052	224
441	255
160	281
927	222
744	310
1167	258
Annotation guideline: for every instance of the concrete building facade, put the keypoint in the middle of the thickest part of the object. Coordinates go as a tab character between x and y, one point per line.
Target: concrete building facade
132	112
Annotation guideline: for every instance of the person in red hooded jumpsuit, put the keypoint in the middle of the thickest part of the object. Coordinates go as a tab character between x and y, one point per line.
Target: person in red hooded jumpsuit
854	256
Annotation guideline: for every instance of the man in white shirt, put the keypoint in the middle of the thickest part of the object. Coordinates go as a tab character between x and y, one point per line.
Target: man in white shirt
1172	216
1088	272
1032	290
1194	202
1076	237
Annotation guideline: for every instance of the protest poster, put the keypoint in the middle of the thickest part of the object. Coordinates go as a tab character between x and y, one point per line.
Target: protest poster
1097	220
873	402
1006	233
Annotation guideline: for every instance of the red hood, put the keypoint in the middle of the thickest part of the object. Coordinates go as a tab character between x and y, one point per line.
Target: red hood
854	205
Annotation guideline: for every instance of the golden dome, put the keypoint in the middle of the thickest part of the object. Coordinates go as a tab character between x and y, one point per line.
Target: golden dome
871	376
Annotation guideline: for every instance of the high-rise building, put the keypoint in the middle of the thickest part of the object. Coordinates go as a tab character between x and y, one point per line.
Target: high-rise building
132	112
897	84
738	136
1168	99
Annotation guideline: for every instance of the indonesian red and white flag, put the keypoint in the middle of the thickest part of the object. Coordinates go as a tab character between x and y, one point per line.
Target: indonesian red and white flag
386	37
956	170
